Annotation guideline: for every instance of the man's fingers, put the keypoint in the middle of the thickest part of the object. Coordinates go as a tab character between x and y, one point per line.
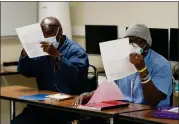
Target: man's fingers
132	61
140	57
46	49
132	54
44	42
132	57
76	102
135	56
45	45
80	100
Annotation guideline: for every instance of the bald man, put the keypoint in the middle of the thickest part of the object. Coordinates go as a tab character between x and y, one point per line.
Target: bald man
63	70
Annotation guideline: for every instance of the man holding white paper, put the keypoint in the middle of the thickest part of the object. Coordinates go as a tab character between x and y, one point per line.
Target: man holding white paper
63	68
30	37
117	65
151	83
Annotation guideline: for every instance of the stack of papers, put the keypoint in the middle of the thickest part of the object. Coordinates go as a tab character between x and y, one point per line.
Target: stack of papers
58	97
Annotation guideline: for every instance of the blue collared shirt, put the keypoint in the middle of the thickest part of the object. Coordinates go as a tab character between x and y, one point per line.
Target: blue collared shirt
70	78
161	74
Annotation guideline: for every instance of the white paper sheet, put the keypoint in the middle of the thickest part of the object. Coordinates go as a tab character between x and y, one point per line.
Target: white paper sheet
58	96
115	58
175	109
30	37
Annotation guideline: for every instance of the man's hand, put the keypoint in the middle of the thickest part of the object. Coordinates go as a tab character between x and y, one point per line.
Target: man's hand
50	49
23	53
82	99
137	60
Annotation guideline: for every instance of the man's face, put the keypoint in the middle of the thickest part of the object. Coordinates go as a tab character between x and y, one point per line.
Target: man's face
135	41
50	30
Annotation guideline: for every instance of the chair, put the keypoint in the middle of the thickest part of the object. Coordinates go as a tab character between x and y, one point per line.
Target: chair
93	78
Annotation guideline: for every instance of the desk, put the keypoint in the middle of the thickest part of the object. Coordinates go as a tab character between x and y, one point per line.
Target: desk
145	117
13	93
9	70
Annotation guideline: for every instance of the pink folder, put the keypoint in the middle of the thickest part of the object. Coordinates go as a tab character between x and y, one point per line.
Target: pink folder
104	105
107	91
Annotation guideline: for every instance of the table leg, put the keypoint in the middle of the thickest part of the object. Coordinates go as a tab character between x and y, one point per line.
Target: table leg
12	110
111	120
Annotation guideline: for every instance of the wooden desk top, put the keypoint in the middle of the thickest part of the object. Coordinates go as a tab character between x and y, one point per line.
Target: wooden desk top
145	116
14	92
8	70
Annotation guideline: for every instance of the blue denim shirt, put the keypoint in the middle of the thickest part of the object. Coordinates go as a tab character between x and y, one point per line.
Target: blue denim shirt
70	78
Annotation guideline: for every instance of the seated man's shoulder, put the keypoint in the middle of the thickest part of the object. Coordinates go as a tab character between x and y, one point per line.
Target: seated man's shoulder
159	62
75	47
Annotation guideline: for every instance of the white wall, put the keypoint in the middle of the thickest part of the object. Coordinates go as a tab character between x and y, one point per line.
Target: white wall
17	14
153	14
59	10
10	50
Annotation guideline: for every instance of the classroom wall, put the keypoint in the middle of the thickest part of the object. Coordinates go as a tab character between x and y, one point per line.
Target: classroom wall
154	14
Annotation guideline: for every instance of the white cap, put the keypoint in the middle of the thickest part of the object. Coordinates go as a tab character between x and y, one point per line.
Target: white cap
141	31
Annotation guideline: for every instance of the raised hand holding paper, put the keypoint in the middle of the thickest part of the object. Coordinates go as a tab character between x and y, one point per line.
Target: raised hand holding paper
30	37
115	58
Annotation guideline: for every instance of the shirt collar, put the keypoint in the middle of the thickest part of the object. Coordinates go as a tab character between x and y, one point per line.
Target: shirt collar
64	45
147	57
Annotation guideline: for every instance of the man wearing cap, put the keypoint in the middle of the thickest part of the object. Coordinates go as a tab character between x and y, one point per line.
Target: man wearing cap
152	84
